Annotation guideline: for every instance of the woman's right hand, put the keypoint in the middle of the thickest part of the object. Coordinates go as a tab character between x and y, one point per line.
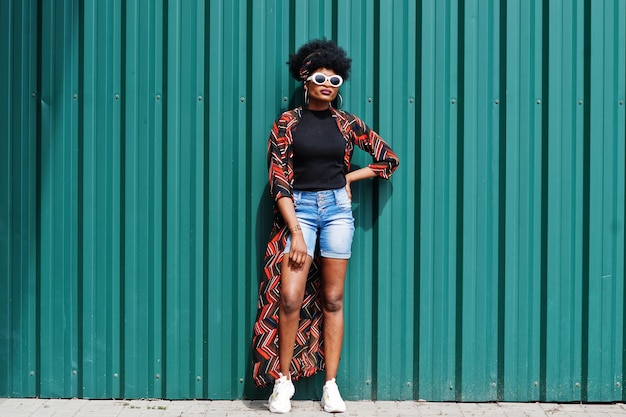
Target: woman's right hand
297	253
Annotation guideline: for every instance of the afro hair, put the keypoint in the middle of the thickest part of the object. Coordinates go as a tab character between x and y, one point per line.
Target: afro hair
323	54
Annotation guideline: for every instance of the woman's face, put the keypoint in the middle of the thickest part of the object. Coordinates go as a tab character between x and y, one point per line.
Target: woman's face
320	96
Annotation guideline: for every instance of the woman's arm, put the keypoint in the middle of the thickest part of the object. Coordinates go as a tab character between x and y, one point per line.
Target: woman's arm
358	175
385	160
297	253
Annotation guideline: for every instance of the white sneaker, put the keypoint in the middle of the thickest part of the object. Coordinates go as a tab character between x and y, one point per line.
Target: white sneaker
280	400
331	399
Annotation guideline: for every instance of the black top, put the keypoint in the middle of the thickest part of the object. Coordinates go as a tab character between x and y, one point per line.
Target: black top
318	152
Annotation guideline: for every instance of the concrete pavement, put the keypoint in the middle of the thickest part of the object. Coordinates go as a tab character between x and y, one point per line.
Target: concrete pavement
20	407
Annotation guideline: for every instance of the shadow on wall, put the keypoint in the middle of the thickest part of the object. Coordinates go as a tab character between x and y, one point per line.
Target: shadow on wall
263	228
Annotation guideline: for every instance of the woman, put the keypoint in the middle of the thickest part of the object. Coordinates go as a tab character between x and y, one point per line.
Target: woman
309	153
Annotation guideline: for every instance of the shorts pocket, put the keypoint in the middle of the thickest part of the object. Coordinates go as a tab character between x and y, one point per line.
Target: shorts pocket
342	199
297	198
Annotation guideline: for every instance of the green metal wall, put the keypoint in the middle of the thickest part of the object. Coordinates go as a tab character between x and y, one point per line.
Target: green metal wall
134	207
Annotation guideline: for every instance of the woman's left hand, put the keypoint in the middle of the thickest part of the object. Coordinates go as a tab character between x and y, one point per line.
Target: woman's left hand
359	174
348	189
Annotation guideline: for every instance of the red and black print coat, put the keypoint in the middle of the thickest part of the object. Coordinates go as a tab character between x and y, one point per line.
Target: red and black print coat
308	355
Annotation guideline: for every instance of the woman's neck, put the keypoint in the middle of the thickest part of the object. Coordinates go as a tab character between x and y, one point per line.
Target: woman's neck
317	106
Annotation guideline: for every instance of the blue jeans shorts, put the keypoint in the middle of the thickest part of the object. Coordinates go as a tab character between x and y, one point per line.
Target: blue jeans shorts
326	215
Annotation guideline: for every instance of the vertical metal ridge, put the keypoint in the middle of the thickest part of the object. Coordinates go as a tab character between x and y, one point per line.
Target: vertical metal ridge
124	94
206	175
375	196
250	135
419	34
334	20
9	131
544	199
622	106
165	101
586	202
6	249
80	201
460	102
38	202
502	197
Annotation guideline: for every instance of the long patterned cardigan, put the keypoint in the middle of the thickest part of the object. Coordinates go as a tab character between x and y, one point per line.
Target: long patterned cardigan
308	355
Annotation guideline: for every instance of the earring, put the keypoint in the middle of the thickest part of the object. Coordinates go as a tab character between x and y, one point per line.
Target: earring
340	101
306	96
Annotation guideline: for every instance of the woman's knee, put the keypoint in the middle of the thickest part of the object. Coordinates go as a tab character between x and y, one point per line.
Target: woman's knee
332	303
290	303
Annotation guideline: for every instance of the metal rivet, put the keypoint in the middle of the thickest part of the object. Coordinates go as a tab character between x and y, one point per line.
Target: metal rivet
117	97
493	384
453	101
408	384
285	99
536	383
242	99
199	98
75	96
115	375
369	99
241	380
74	372
411	101
34	94
617	384
497	101
580	102
157	376
32	373
158	97
450	387
368	382
621	102
577	385
198	378
538	101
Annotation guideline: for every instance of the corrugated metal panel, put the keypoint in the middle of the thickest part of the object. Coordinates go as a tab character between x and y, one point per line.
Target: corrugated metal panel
134	198
603	287
563	119
521	335
19	250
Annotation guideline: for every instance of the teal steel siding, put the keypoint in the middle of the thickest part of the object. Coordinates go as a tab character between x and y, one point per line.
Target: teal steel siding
437	189
604	264
564	199
58	199
102	301
135	207
18	212
523	210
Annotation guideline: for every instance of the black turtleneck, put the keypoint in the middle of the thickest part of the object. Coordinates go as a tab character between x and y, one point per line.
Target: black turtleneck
318	152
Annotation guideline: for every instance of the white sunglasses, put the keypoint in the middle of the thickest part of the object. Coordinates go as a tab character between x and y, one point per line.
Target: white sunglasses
320	79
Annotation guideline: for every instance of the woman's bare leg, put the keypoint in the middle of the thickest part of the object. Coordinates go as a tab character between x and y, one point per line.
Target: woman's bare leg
292	285
333	280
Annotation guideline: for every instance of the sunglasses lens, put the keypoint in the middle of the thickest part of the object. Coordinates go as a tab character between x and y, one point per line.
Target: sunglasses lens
319	79
335	80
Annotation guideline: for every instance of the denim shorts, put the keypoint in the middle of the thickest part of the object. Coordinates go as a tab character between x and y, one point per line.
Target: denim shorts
326	215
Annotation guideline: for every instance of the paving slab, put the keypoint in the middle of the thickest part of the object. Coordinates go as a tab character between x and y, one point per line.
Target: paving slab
34	407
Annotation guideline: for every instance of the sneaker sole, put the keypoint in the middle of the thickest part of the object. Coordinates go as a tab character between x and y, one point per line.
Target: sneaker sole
329	409
279	411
